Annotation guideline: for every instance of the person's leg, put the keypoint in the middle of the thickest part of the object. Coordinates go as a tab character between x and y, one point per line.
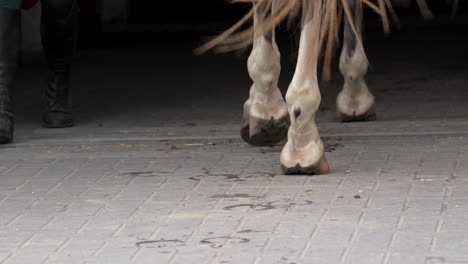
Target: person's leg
10	37
59	30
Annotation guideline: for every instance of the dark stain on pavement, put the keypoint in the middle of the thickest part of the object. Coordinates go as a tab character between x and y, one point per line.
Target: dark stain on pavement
230	176
306	202
144	173
240	195
256	207
208	173
163	242
277	204
246	231
257	174
217	242
330	147
139	174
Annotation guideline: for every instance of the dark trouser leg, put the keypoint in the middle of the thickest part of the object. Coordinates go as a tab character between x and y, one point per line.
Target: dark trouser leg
10	37
59	30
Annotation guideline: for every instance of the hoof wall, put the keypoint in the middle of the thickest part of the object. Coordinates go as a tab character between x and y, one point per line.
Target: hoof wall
266	132
369	116
319	168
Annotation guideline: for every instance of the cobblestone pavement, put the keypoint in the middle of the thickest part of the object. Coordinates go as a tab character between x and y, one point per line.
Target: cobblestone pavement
389	199
178	186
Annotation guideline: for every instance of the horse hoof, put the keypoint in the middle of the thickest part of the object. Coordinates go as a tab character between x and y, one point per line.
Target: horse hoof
303	159
370	115
319	168
262	132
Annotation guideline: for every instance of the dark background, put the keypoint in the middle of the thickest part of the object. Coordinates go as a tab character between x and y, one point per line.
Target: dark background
147	13
144	14
142	76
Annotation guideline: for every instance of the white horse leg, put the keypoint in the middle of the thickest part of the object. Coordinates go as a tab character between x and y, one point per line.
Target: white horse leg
266	118
355	102
304	151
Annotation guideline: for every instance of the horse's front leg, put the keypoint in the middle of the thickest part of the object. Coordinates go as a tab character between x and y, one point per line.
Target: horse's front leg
355	102
304	151
266	118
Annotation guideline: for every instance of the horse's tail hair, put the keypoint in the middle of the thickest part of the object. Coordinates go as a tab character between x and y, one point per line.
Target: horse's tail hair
333	11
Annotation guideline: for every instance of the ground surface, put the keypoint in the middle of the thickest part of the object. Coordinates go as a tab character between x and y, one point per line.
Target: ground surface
155	171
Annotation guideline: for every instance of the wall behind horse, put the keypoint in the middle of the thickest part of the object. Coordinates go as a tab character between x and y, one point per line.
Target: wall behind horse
184	10
115	13
180	15
167	15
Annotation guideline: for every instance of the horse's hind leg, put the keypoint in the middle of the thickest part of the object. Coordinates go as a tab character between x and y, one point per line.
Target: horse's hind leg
266	118
304	151
355	102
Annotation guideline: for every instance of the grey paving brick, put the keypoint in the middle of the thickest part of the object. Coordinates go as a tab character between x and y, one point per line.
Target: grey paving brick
82	210
405	258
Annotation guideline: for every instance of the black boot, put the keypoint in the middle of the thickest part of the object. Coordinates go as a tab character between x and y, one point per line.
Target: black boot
59	30
10	37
